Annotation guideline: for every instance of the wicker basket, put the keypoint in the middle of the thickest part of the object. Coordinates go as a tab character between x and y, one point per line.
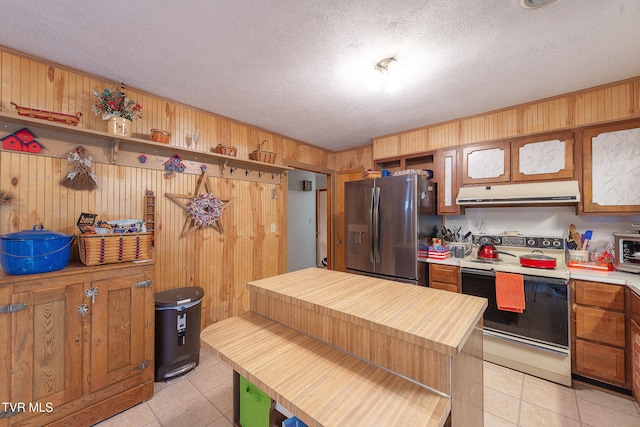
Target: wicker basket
97	249
263	156
368	174
162	136
226	150
48	115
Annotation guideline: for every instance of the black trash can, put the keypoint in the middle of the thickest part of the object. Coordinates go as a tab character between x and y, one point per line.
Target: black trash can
177	348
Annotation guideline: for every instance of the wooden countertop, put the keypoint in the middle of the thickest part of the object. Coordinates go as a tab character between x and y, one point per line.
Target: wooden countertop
320	384
72	268
439	320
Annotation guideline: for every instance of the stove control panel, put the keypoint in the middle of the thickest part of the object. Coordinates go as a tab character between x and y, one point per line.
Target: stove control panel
520	241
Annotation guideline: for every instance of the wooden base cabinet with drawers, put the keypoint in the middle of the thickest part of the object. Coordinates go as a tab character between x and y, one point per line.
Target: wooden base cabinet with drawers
599	333
76	345
634	326
445	277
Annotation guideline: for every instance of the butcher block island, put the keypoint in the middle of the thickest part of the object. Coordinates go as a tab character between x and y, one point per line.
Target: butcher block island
338	349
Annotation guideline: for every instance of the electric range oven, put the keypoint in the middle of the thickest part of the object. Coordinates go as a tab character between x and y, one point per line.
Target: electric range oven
535	341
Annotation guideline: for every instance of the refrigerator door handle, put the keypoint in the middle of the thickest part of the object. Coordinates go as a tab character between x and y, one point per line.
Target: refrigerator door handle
376	226
371	223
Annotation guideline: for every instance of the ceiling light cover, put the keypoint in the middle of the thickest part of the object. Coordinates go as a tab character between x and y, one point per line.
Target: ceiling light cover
384	76
534	4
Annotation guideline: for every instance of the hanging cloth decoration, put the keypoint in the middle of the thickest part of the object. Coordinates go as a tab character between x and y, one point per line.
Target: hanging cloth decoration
80	177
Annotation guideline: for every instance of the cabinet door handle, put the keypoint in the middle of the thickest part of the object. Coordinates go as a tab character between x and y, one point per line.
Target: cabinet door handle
91	292
142	365
82	310
10	413
12	308
144	284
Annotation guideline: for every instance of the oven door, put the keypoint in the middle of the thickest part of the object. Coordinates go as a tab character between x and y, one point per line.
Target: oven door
546	315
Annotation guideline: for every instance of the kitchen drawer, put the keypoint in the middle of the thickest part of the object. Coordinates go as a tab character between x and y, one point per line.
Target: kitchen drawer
599	295
444	273
600	361
444	286
600	325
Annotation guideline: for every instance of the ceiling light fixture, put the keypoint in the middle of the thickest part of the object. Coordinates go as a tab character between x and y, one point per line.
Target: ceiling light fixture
534	4
383	77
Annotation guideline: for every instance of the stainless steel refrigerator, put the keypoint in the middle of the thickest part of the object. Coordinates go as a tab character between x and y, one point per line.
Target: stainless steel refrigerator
381	225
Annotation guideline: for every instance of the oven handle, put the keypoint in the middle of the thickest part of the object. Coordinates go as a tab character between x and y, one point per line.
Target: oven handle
547	280
527	278
559	352
488	273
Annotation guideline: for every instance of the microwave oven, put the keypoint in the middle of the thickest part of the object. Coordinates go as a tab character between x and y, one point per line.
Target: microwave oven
627	250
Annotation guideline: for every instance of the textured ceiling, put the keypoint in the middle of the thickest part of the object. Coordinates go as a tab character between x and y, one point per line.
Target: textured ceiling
296	67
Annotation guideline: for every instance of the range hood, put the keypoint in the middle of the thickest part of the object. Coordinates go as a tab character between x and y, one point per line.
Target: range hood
556	192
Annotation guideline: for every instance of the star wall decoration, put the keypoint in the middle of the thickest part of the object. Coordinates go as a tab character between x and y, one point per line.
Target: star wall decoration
203	208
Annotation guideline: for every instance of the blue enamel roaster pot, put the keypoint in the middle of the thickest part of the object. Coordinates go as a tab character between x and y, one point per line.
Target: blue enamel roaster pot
34	251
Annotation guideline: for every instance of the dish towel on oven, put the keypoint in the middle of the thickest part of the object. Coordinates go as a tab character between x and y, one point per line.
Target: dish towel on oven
510	292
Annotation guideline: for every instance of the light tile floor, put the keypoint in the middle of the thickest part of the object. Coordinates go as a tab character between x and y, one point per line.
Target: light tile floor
204	398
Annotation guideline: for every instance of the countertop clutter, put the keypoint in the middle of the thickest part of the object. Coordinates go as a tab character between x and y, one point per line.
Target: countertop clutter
614	277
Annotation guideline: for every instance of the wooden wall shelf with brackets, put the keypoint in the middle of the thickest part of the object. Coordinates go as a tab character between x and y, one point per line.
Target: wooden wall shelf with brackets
115	145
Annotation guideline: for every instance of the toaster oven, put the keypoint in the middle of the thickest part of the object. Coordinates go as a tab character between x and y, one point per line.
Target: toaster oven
627	250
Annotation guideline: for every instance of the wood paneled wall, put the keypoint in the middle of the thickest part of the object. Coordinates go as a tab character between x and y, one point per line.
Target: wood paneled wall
607	103
220	263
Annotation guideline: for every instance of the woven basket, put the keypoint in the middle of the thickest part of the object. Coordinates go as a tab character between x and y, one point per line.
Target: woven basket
263	156
368	174
161	136
226	150
48	115
97	249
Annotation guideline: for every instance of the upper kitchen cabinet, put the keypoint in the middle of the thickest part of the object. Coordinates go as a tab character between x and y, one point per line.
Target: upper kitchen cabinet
543	157
446	175
486	163
532	158
611	173
416	161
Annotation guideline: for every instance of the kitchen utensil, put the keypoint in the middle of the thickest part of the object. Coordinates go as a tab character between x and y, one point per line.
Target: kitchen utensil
587	236
537	259
466	236
575	235
571	244
490	252
34	251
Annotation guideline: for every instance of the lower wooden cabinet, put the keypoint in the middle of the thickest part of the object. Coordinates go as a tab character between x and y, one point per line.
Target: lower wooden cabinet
445	277
599	332
634	326
76	345
600	362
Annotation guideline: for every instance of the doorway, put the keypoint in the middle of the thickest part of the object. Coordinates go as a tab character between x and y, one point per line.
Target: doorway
308	215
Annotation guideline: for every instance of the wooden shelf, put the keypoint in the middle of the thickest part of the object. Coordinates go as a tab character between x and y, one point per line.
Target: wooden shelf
145	146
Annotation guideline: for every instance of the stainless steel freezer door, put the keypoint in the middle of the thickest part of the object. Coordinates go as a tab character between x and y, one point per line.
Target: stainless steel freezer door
398	226
357	218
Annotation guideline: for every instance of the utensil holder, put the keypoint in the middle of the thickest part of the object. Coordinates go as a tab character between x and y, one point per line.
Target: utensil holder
579	256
